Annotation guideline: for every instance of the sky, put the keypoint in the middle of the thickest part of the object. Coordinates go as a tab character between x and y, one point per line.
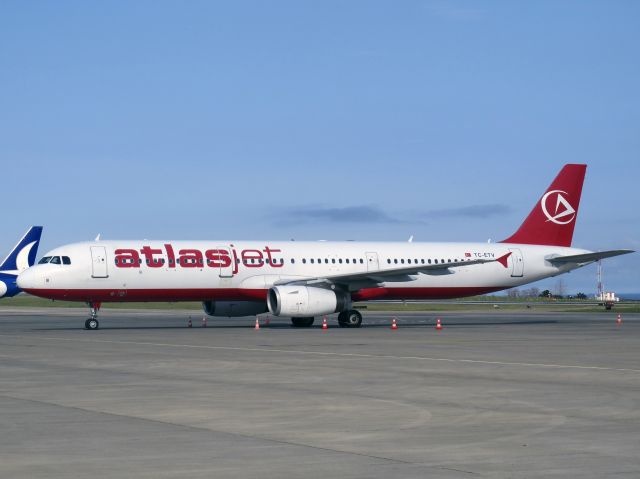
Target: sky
333	120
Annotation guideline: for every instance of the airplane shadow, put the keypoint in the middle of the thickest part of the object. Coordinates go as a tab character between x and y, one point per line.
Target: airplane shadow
288	327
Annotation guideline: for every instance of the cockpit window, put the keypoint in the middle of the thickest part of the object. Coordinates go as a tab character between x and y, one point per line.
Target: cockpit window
66	260
45	260
55	260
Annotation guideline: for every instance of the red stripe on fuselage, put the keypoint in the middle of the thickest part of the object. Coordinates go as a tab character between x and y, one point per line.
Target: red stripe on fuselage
241	294
368	294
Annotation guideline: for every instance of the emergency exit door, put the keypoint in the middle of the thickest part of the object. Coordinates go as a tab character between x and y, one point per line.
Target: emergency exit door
372	261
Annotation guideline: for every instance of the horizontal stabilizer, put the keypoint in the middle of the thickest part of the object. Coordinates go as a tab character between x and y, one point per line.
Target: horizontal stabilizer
589	257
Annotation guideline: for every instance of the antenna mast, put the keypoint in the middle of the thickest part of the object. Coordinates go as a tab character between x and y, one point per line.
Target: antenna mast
600	293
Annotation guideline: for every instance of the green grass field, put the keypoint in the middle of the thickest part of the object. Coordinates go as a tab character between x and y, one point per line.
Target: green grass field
482	303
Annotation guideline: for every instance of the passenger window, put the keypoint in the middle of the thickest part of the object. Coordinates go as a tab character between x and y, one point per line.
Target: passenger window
340	261
361	261
422	260
293	261
326	260
395	261
45	260
304	261
429	261
312	260
333	260
388	261
402	261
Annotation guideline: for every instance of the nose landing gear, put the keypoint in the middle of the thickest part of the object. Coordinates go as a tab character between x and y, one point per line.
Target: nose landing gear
92	323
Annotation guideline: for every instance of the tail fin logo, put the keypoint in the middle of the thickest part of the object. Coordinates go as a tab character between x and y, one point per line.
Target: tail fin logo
563	213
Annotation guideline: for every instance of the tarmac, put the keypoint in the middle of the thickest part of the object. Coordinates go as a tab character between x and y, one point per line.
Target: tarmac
494	394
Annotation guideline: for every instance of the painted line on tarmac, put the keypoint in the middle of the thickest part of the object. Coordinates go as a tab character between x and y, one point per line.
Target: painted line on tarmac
327	353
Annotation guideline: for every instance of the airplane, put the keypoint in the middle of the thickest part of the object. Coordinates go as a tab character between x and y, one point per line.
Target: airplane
302	280
20	258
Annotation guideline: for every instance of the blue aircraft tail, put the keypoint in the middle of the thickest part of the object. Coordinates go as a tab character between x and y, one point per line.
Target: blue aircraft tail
24	253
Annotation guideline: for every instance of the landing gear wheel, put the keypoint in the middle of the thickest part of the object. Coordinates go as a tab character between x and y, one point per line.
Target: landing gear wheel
91	324
350	319
301	322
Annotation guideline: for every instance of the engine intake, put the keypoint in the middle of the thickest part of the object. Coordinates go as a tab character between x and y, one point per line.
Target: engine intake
234	309
303	301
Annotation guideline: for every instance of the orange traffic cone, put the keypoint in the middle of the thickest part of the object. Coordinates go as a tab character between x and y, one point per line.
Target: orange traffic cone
189	324
324	323
257	326
204	322
619	320
438	325
394	324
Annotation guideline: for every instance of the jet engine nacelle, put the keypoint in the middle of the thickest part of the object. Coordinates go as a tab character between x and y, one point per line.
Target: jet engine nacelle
304	301
234	309
3	289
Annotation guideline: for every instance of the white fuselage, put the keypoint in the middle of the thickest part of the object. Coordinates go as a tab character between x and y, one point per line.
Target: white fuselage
244	270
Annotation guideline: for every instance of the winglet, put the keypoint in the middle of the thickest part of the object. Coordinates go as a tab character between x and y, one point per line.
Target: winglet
503	259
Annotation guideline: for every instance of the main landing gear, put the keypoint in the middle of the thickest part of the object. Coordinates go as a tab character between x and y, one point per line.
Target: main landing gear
301	322
350	319
346	319
92	323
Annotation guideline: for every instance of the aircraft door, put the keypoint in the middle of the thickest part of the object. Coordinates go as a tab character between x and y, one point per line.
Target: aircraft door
517	263
226	271
372	262
99	262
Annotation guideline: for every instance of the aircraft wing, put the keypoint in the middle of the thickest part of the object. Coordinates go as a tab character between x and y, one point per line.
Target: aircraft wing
588	257
393	274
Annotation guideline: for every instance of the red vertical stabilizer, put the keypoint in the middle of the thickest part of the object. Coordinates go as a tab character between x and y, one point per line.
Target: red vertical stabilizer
553	218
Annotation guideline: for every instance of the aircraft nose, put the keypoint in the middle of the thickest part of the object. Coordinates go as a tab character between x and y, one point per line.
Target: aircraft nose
26	279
